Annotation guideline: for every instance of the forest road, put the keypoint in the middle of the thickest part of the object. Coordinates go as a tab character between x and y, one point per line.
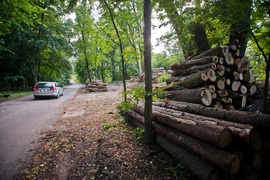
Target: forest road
22	122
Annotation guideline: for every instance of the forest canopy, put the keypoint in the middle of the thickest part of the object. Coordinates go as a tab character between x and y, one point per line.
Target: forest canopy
40	42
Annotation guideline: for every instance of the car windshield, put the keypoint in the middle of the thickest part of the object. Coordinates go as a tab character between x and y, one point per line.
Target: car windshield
44	85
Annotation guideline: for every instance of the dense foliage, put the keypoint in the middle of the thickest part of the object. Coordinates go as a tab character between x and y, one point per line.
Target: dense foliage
35	43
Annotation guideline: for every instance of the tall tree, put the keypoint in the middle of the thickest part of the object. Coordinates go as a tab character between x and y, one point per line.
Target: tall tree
121	48
83	26
149	132
190	33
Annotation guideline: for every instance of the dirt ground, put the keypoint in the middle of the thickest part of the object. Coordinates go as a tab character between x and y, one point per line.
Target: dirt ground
92	141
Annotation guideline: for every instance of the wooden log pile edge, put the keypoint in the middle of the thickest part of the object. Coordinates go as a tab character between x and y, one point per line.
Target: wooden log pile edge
222	77
233	150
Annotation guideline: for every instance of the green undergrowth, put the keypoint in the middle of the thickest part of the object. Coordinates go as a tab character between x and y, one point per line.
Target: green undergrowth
13	94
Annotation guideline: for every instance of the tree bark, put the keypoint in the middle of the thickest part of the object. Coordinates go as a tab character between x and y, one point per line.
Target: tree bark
197	166
217	51
187	95
221	159
149	132
246	134
191	70
193	62
214	134
121	50
259	121
190	81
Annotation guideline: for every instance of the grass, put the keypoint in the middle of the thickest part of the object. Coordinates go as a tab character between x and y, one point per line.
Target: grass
4	95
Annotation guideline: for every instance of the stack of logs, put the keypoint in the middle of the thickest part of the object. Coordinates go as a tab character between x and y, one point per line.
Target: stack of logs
218	77
96	86
226	145
156	72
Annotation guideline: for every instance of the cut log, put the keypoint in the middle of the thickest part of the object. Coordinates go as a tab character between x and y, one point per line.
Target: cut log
241	76
179	72
220	70
191	81
211	74
197	166
212	88
246	134
187	95
136	116
236	85
228	82
213	66
226	100
220	84
215	59
243	89
221	159
238	99
229	59
97	86
194	62
204	77
222	50
235	48
229	107
191	70
249	77
214	134
244	101
214	95
218	105
173	79
257	161
174	88
236	75
223	92
259	121
251	89
206	97
243	65
221	60
235	51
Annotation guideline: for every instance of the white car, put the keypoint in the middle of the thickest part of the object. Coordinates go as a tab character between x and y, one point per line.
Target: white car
48	89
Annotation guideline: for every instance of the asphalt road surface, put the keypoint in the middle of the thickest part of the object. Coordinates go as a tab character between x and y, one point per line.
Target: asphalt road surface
21	122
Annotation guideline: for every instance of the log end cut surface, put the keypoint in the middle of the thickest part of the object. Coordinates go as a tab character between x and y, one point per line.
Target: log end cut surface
206	97
255	140
235	166
226	138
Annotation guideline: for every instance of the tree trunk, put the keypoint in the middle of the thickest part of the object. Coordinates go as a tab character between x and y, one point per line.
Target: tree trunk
36	69
149	131
266	84
121	50
240	29
85	49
